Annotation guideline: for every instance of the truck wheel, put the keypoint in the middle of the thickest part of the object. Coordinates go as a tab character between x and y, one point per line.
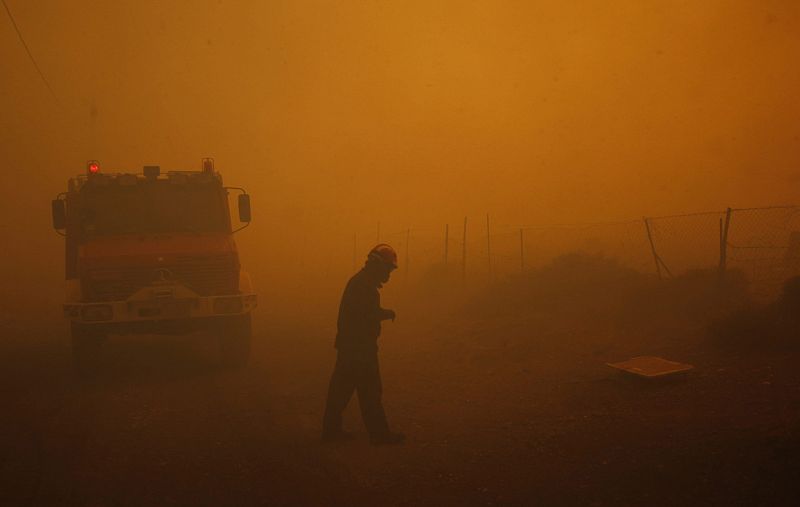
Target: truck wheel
87	341
234	340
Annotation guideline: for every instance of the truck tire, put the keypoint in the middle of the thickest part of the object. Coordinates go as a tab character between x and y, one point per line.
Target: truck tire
87	341
234	340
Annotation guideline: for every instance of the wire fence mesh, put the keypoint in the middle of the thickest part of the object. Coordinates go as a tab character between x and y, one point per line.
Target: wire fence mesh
687	242
763	243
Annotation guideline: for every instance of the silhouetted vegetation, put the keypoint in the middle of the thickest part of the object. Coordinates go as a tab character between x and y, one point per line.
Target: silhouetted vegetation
764	325
593	288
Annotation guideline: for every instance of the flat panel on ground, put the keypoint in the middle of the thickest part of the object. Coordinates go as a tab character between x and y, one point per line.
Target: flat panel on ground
651	366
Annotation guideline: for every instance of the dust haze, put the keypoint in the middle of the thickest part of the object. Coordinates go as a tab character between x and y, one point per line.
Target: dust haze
353	123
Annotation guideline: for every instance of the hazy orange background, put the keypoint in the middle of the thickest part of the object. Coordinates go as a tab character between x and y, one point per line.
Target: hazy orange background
336	115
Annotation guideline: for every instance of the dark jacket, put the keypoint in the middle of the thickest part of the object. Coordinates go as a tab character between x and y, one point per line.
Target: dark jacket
360	315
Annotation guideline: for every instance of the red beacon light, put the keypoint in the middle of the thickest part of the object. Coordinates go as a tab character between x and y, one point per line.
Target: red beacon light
92	167
208	165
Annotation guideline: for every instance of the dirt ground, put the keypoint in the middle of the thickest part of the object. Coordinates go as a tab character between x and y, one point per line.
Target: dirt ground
496	413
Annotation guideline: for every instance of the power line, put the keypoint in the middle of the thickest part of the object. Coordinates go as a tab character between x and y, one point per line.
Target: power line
27	50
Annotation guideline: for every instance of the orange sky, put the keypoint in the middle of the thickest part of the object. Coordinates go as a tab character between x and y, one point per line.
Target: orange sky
338	114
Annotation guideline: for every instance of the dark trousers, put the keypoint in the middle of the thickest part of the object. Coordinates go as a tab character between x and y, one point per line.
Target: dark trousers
360	373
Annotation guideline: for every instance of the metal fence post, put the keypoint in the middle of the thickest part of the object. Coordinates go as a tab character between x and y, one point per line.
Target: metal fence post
446	241
408	262
723	242
652	246
464	252
488	246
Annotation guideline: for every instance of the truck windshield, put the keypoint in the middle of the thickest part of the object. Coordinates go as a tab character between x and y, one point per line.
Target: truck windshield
149	208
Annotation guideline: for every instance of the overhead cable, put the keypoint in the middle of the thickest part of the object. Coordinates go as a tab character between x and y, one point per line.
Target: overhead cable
27	50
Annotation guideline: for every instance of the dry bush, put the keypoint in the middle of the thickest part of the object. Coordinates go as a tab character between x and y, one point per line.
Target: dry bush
592	288
762	325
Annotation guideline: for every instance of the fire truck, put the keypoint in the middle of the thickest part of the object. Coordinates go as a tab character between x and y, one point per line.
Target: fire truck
154	253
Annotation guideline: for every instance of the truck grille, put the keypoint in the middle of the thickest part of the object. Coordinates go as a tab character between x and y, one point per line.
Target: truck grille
207	276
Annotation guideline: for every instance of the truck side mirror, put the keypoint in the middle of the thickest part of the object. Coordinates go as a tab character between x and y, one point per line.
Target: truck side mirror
59	214
244	208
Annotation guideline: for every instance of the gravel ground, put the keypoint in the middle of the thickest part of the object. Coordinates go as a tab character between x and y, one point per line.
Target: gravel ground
496	413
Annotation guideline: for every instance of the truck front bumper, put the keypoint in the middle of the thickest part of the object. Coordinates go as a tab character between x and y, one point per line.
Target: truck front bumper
158	308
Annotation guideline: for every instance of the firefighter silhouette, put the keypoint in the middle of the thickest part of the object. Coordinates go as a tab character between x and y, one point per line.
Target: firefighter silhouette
356	369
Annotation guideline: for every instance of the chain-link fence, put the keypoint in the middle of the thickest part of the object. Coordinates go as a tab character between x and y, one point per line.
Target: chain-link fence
686	242
764	243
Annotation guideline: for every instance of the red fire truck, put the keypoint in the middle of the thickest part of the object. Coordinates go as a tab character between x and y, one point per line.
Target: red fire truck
153	253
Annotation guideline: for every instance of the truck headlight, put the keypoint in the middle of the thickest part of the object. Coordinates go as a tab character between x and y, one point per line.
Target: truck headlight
95	313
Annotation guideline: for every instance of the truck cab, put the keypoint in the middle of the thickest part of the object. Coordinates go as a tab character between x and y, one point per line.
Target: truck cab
153	253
